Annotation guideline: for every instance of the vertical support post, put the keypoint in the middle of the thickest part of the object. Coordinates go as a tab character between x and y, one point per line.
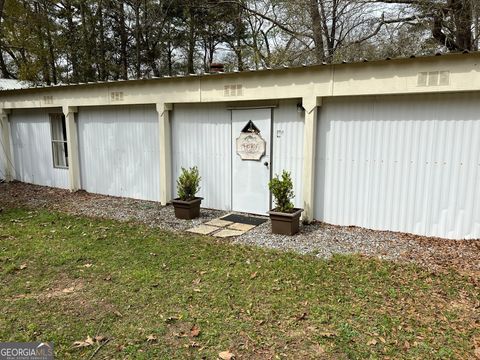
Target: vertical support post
6	148
163	110
310	104
72	146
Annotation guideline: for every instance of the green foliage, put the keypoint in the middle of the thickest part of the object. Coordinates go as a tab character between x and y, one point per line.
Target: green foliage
145	281
282	191
188	183
48	41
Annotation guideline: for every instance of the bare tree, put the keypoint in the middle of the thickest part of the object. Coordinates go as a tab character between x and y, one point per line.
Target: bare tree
451	22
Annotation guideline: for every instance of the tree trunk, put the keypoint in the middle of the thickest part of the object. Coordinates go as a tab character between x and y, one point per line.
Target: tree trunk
88	46
462	10
137	40
3	67
71	40
41	42
101	50
317	31
191	43
123	41
169	57
51	51
239	37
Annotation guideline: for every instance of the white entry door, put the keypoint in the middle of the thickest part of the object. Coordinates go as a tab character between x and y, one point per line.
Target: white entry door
250	178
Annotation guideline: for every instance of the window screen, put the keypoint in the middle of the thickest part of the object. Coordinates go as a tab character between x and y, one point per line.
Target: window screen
59	140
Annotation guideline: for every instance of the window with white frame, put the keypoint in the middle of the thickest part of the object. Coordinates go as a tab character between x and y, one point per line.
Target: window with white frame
59	141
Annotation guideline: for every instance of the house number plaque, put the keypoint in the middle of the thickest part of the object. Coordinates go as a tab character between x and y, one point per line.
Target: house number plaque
250	146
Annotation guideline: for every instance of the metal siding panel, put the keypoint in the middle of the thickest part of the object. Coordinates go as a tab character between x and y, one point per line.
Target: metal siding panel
201	136
287	137
401	163
32	149
119	151
3	160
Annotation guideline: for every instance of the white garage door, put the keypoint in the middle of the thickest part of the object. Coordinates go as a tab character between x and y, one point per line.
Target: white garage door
402	163
32	148
201	136
119	151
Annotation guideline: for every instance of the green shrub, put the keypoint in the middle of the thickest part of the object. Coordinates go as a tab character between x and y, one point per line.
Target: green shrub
188	183
282	191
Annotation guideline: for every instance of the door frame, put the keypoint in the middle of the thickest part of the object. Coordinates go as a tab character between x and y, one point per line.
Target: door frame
269	145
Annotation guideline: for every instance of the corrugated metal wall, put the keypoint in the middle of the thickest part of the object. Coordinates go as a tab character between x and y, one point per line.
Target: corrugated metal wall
401	163
119	151
201	136
287	137
3	164
32	149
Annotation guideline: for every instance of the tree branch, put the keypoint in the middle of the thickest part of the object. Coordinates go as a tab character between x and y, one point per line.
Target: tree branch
384	22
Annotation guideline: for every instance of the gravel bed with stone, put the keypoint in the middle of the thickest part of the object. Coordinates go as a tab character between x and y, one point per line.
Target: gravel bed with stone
318	239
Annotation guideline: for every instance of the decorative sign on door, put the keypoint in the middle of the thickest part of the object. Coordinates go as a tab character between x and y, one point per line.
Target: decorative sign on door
250	145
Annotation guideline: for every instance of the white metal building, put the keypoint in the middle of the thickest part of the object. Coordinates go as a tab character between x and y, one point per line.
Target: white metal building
390	145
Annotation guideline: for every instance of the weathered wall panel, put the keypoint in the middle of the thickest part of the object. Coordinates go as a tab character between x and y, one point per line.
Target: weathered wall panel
119	151
3	160
32	149
287	138
401	163
201	136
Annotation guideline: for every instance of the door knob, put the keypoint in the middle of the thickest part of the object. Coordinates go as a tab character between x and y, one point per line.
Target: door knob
266	163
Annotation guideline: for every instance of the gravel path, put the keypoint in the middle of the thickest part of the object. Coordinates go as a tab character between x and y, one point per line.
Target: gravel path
319	239
101	206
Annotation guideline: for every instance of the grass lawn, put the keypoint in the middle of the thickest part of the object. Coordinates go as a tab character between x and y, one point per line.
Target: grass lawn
155	294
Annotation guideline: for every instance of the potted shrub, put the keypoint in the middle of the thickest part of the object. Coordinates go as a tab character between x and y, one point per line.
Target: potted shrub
187	205
285	217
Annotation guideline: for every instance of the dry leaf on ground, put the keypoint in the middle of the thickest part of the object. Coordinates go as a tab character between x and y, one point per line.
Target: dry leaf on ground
317	349
226	355
327	334
302	316
89	341
151	338
195	331
85	343
100	338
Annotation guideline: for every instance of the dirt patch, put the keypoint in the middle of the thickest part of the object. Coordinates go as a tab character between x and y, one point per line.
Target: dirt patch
70	296
294	344
62	289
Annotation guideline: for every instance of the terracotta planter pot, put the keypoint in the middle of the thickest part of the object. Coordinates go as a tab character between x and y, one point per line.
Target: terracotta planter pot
189	209
285	223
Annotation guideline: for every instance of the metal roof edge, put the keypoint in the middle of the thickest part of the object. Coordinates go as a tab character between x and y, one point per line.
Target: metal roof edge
283	68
